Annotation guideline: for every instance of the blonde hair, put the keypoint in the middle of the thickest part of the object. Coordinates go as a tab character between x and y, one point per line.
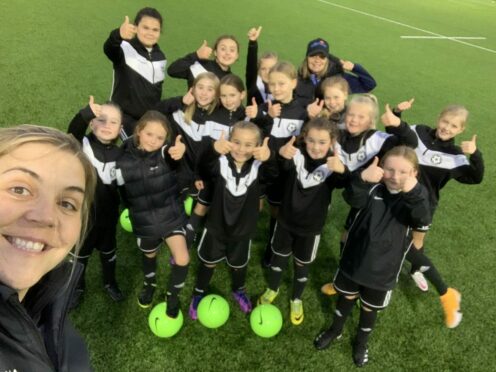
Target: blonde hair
404	152
286	68
455	110
248	125
12	138
190	109
367	99
267	55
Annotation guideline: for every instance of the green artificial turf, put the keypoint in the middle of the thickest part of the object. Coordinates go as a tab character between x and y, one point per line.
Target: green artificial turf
51	60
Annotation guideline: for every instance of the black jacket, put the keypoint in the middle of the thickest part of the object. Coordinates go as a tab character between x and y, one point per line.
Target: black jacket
105	208
190	66
307	192
150	191
234	205
255	86
36	335
378	239
441	161
138	74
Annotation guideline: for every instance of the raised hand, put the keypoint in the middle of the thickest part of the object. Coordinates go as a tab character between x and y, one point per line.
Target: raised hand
199	185
335	164
314	108
204	51
95	107
347	65
222	146
274	110
177	151
288	151
127	29
405	105
262	152
373	173
188	98
469	147
409	183
252	110
389	119
254	33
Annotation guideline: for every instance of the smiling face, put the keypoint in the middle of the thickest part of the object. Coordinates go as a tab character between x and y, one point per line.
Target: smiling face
148	31
281	86
204	92
317	63
152	136
449	126
397	170
230	97
226	53
107	126
358	118
244	142
318	143
265	65
42	195
335	99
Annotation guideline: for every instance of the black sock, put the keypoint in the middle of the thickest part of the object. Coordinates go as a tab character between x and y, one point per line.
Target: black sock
81	284
365	326
428	269
268	247
108	260
344	307
149	269
203	278
415	266
277	267
239	278
300	279
177	278
196	221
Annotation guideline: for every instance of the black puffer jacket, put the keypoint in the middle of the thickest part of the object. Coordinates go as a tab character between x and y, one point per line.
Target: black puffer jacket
150	191
36	335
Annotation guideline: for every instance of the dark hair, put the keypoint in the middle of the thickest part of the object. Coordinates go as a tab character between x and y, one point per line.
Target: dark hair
226	37
234	81
149	116
148	12
320	123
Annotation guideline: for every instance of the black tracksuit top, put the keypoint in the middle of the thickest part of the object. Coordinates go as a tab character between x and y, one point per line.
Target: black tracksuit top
255	86
105	207
441	161
138	74
307	192
378	239
190	66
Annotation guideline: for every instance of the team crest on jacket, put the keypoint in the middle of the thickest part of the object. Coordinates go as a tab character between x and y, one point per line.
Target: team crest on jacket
361	155
309	179
436	159
318	175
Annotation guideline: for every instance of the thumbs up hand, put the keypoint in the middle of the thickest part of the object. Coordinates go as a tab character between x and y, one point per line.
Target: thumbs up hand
373	173
188	98
127	29
335	164
262	152
252	110
95	107
288	151
254	33
469	147
314	108
204	51
405	105
177	151
389	119
222	146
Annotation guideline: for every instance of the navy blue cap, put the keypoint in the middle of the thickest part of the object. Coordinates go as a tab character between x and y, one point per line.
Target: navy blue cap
318	46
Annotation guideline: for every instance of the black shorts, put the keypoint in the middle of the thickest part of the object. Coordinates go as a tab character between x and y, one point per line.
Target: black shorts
101	238
150	245
371	298
273	192
206	194
212	251
304	248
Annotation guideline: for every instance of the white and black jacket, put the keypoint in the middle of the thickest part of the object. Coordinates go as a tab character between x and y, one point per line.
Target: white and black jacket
190	66
103	157
378	239
138	74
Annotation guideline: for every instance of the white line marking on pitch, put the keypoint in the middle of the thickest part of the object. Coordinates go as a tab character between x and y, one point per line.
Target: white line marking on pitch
405	25
445	37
